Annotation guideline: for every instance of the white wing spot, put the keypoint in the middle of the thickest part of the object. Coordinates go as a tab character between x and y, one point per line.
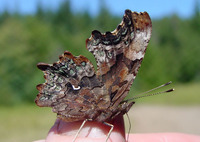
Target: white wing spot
76	88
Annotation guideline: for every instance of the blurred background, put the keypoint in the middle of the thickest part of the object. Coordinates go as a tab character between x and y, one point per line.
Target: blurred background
40	30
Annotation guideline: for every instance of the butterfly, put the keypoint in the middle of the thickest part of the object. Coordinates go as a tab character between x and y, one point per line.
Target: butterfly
76	91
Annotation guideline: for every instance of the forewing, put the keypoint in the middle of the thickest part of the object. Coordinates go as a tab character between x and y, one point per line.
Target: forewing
119	53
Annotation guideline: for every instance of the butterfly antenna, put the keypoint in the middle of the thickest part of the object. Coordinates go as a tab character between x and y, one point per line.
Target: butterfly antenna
144	94
137	97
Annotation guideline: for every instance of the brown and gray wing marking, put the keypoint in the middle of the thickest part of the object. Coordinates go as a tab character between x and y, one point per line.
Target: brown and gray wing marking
69	87
119	54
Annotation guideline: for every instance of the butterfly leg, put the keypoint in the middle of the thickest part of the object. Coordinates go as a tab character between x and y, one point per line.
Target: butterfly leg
129	129
111	129
80	129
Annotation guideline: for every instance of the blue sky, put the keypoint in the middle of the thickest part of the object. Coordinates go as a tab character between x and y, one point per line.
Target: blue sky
156	8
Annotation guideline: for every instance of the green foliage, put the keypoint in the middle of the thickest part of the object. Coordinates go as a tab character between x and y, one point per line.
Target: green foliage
173	53
22	44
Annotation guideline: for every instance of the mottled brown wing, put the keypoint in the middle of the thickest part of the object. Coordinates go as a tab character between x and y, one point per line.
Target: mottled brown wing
119	54
76	92
71	88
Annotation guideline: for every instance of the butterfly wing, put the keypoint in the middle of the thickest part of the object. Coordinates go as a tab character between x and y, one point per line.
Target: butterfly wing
76	92
119	54
69	88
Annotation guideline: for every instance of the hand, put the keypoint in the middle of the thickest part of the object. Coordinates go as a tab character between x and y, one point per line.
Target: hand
96	132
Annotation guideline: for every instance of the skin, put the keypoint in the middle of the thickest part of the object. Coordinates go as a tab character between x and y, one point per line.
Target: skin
96	132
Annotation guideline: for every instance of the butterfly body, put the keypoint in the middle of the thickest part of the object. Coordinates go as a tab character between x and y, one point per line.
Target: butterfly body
75	91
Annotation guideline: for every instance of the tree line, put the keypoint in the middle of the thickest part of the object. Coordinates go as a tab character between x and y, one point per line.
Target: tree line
173	52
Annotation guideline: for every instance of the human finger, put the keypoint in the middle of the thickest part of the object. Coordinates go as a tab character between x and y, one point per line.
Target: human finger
163	137
91	131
